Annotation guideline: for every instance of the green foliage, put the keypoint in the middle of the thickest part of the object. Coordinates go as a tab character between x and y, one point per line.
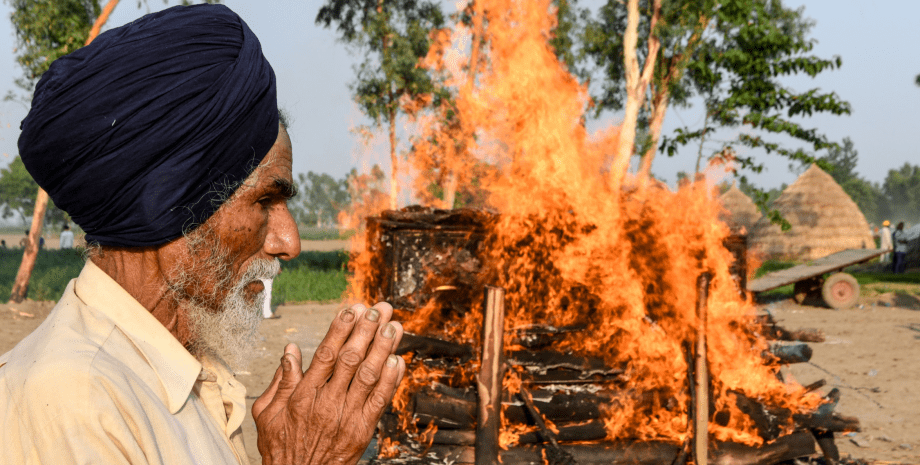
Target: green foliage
319	199
18	191
336	260
53	270
311	233
393	36
46	30
902	191
49	29
737	69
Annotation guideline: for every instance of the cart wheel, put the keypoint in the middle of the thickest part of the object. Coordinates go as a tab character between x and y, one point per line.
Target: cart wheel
806	288
840	290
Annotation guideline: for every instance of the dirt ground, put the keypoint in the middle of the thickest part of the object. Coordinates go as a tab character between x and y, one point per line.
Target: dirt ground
871	353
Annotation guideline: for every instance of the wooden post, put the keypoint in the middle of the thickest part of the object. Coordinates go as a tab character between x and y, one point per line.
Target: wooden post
701	372
489	381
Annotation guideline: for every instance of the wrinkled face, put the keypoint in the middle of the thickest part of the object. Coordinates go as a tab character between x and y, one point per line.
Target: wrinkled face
215	281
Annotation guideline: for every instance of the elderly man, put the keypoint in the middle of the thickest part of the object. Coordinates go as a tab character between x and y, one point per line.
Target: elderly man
162	141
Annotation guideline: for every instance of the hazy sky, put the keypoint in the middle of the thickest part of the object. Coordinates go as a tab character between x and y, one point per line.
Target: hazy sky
880	48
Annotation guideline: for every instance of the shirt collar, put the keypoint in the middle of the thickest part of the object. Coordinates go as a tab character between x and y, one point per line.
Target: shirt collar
175	367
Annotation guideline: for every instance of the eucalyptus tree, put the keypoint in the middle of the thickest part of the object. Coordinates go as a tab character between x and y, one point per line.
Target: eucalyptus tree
392	36
733	54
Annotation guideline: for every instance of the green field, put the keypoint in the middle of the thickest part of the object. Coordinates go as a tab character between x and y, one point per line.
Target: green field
312	276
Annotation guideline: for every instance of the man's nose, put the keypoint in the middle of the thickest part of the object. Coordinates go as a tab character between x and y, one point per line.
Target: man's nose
283	238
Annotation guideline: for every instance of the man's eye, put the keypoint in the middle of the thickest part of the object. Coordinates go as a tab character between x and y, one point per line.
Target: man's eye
265	201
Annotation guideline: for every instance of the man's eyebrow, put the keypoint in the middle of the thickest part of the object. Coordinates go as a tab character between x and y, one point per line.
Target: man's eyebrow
285	188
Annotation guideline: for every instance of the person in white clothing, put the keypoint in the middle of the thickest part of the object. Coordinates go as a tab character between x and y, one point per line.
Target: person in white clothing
885	244
66	238
267	303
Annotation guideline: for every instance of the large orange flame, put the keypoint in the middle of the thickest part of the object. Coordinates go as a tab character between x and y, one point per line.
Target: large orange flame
571	248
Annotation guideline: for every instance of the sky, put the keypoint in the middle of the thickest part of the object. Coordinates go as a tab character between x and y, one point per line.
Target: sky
880	49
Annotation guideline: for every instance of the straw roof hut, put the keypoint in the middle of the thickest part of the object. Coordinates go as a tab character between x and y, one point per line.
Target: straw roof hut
740	210
824	220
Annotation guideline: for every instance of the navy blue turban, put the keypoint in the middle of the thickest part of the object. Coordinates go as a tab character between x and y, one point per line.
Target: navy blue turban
142	134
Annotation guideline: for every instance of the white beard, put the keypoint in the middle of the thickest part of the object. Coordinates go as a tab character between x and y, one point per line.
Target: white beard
232	332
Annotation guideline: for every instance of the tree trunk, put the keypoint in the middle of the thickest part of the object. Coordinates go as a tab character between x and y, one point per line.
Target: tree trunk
450	190
394	162
636	85
659	108
21	284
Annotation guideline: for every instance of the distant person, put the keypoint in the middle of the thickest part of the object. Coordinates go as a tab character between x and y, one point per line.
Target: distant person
24	242
66	238
885	244
900	248
2	244
41	242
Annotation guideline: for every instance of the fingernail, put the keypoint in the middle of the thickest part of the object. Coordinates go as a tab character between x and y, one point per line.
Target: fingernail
373	314
389	331
391	361
285	364
348	315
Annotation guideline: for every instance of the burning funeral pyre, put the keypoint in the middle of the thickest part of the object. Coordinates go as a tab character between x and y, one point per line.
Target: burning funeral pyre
584	316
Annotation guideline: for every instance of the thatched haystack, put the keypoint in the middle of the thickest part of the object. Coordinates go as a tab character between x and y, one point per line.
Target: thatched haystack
740	211
824	220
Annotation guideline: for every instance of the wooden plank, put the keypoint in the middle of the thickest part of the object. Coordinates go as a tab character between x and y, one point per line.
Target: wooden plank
812	269
490	378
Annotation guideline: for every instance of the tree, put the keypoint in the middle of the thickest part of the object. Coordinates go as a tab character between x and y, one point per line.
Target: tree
393	35
902	191
319	199
732	53
18	192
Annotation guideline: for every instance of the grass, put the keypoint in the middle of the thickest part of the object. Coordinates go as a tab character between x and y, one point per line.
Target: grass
53	270
310	233
312	276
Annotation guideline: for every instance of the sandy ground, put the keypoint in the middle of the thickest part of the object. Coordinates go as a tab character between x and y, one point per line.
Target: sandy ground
872	354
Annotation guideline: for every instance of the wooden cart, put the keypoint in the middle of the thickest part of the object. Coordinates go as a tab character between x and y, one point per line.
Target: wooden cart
822	277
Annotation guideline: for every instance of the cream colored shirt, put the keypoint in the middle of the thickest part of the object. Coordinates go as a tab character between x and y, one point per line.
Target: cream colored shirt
101	381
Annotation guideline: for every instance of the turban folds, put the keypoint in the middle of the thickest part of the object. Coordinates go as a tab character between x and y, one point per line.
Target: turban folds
142	134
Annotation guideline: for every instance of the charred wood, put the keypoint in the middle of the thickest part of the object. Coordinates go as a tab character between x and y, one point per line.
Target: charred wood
429	347
453	412
788	447
541	336
789	354
555	455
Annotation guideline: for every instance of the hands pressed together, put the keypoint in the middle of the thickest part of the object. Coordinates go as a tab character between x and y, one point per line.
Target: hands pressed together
328	413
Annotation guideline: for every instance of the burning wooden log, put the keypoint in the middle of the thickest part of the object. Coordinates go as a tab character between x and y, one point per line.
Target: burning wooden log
458	412
789	354
701	376
789	447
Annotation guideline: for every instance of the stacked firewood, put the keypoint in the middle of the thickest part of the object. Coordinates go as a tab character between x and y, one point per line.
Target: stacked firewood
556	408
